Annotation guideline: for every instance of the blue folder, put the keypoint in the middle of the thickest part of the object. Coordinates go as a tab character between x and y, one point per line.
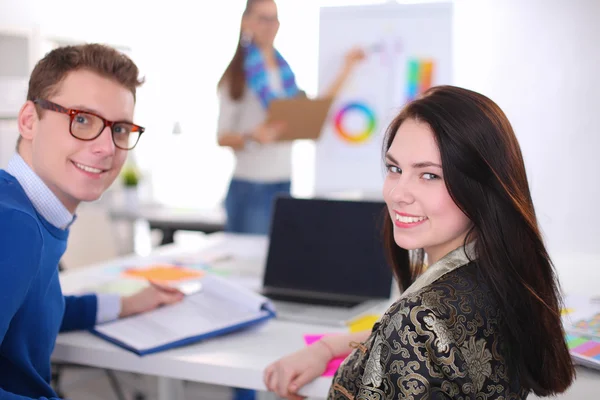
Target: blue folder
221	307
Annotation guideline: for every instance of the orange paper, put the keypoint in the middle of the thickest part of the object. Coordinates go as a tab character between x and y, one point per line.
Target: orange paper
163	273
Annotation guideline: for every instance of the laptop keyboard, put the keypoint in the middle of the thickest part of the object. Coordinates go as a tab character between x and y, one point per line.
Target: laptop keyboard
313	301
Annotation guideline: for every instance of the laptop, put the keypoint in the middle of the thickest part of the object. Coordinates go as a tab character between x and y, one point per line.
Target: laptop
326	261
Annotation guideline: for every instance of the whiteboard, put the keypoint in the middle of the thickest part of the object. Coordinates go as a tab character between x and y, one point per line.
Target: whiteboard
409	48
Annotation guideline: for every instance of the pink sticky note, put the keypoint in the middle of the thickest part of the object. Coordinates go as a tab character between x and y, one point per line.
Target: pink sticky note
334	364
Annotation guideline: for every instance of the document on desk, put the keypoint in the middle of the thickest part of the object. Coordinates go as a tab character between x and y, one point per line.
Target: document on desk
581	320
582	316
221	307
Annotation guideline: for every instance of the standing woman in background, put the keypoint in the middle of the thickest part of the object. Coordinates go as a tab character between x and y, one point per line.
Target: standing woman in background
256	75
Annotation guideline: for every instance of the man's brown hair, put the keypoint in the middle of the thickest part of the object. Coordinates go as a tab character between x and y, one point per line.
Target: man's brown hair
103	60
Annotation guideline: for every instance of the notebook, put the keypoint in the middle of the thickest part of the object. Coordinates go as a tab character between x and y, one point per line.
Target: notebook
220	307
326	261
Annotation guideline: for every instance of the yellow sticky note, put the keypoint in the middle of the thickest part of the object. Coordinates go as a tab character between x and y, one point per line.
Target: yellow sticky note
364	323
566	311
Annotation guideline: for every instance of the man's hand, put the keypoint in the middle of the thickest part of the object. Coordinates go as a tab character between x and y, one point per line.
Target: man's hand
148	299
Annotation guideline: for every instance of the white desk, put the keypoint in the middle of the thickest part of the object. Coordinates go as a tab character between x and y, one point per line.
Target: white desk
235	360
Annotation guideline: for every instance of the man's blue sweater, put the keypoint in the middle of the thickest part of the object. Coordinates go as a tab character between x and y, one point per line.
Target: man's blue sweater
32	307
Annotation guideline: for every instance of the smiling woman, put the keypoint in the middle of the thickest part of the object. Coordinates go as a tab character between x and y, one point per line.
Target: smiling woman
483	320
424	214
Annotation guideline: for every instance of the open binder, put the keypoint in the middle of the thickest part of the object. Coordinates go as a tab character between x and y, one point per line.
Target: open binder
220	307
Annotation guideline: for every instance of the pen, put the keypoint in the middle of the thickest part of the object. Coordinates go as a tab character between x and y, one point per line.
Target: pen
221	258
165	288
185	288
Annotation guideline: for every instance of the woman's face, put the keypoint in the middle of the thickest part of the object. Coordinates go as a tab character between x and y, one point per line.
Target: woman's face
262	23
422	211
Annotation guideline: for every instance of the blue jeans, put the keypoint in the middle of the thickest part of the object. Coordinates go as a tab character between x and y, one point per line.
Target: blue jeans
249	205
244	394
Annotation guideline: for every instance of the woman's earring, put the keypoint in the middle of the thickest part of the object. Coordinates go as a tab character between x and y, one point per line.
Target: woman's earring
246	39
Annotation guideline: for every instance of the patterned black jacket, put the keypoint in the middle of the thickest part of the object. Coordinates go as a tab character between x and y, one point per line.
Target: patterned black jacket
440	340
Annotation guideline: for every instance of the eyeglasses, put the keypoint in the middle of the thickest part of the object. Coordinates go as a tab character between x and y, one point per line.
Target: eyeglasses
88	126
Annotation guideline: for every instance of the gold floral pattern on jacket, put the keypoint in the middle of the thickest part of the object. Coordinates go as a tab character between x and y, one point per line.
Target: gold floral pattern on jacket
440	340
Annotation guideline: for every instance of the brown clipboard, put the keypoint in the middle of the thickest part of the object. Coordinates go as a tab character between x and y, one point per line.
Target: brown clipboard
303	117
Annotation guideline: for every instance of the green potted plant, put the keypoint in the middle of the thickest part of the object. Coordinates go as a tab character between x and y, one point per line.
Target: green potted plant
130	177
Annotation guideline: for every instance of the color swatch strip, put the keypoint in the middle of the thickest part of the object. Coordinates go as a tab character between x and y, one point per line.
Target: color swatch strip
582	346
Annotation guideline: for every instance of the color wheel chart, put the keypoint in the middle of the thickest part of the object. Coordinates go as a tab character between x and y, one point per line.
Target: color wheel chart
355	110
408	49
389	52
419	78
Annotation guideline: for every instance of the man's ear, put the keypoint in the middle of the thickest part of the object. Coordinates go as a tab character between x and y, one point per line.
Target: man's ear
28	120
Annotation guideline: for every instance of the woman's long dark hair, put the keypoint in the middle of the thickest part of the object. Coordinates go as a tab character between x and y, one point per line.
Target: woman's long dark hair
234	74
485	175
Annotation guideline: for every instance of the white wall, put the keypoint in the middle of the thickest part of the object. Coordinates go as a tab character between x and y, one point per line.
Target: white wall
181	53
68	18
540	61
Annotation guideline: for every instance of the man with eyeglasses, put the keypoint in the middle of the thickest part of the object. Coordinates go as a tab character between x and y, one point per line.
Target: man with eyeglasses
76	128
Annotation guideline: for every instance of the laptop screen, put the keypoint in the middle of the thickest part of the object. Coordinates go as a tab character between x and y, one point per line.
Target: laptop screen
328	247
